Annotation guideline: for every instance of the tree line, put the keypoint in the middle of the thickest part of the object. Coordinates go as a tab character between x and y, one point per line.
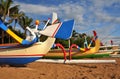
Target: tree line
76	38
13	15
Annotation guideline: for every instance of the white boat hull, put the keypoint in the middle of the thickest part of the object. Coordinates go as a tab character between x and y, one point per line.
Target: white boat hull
25	55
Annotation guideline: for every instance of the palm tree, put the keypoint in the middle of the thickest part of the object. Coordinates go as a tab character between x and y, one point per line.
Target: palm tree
15	14
25	21
5	6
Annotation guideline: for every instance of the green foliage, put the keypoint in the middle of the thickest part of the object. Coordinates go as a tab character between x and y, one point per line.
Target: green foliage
17	32
7	9
78	57
63	42
25	21
77	39
43	38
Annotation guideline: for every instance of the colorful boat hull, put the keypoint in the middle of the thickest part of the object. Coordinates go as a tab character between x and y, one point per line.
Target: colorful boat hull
24	55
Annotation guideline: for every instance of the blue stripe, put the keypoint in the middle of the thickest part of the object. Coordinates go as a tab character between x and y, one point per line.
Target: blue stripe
96	37
28	43
2	26
5	47
65	31
18	61
91	41
78	48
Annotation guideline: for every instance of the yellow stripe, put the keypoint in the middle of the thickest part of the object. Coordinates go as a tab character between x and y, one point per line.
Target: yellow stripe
82	49
14	36
89	45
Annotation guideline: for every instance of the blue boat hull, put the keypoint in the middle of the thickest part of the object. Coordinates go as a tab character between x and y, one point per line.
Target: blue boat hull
18	61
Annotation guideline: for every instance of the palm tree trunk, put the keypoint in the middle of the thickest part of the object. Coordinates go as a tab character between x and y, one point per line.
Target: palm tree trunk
25	33
3	31
9	38
15	24
2	36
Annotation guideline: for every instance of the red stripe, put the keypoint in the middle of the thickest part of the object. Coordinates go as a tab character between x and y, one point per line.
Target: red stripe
56	30
94	32
55	21
25	55
9	44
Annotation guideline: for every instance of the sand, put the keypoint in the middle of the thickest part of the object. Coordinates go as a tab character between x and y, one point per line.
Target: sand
38	70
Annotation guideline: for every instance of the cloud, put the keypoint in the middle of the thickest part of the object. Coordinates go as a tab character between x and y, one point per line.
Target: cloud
102	14
88	16
95	12
66	10
36	9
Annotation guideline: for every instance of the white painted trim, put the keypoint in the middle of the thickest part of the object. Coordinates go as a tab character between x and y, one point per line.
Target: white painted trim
75	61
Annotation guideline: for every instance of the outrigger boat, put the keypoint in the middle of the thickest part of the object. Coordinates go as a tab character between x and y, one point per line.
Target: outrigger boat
19	55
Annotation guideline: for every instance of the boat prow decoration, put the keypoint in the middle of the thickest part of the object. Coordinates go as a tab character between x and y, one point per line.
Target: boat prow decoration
94	49
89	49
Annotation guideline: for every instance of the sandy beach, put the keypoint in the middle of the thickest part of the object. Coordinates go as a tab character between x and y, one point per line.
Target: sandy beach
39	70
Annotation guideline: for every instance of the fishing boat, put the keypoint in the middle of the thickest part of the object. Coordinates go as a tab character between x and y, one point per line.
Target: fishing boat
19	55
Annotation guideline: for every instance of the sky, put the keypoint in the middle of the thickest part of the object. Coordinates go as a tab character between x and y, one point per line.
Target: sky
100	15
